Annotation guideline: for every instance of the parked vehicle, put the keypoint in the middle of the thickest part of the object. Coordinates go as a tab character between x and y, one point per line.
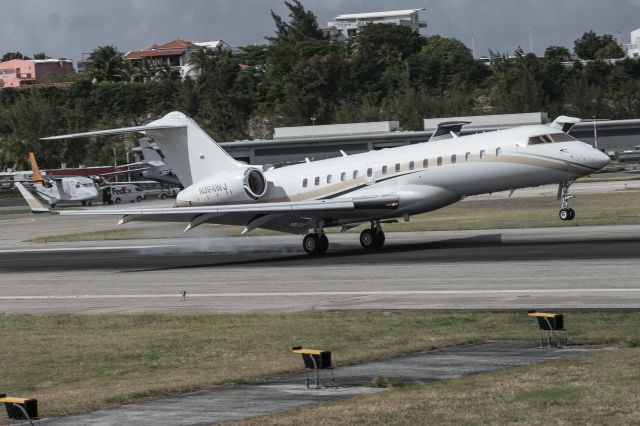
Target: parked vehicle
123	193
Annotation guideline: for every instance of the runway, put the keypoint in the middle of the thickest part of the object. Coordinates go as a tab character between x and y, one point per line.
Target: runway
553	268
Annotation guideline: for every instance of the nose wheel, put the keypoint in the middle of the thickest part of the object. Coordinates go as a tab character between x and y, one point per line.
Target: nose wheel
566	212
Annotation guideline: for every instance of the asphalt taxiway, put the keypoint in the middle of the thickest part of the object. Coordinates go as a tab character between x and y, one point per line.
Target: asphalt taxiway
556	268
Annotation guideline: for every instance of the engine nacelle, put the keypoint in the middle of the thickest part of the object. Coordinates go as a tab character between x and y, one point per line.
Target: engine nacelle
231	186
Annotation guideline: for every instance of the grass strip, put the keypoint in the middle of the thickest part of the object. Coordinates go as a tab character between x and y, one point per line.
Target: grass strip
76	363
595	389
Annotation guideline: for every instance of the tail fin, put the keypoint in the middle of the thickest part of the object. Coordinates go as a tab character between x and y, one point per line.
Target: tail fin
192	153
37	177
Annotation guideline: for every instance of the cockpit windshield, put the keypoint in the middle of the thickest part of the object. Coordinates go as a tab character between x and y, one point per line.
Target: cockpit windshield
553	137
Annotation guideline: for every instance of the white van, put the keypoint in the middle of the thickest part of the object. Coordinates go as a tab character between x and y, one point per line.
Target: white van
125	193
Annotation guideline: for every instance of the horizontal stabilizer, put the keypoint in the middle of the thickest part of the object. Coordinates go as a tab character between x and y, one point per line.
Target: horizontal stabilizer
565	123
447	130
35	205
116	131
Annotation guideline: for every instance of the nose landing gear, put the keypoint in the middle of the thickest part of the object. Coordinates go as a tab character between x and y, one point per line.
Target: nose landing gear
566	213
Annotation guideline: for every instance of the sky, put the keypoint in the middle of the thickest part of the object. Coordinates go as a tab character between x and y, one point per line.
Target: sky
68	28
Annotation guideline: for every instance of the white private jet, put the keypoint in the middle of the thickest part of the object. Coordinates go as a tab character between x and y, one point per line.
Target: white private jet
54	189
375	187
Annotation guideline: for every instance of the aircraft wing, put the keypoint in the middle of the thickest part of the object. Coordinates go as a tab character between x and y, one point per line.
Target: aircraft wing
122	172
251	215
141	129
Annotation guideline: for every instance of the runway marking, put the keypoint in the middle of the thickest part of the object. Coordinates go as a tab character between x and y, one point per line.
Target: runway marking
326	293
61	249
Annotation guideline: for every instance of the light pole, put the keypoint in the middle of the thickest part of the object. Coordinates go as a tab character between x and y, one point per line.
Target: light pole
473	45
595	133
313	127
530	39
115	162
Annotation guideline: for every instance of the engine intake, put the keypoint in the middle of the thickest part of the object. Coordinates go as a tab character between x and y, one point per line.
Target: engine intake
254	182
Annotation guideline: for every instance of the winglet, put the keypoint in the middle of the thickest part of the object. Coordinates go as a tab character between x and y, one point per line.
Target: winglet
35	205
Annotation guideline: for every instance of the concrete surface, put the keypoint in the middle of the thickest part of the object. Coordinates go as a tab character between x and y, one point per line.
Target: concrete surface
238	402
559	268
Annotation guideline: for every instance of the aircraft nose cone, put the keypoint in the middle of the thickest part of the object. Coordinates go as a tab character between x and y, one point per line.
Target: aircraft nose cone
599	159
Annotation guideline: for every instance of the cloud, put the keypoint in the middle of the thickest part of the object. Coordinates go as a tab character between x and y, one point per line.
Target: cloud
67	28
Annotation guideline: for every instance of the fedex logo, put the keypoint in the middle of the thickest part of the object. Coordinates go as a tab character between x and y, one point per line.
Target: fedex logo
121	191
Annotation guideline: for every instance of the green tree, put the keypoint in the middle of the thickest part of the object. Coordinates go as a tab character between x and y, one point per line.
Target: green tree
129	71
13	55
444	62
610	51
557	54
40	55
587	46
105	63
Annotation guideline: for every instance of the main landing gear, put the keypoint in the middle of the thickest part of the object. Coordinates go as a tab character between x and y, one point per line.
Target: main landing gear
373	238
566	213
316	242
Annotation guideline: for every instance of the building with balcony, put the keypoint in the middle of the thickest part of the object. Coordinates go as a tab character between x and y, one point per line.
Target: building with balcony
26	72
633	49
344	26
177	54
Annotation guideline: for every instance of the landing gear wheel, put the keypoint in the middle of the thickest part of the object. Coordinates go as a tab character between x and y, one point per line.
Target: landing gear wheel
367	239
138	199
312	243
572	214
84	203
379	240
564	214
324	244
118	200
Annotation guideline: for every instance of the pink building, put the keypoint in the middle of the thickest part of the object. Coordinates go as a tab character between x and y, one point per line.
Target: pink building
25	72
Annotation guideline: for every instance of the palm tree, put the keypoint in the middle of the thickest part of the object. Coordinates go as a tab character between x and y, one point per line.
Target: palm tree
129	71
148	69
166	72
105	63
205	59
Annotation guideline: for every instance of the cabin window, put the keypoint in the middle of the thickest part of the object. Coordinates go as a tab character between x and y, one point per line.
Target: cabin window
454	158
412	165
482	154
425	163
305	182
439	161
498	151
397	167
317	180
384	170
369	172
328	178
467	156
355	174
343	176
